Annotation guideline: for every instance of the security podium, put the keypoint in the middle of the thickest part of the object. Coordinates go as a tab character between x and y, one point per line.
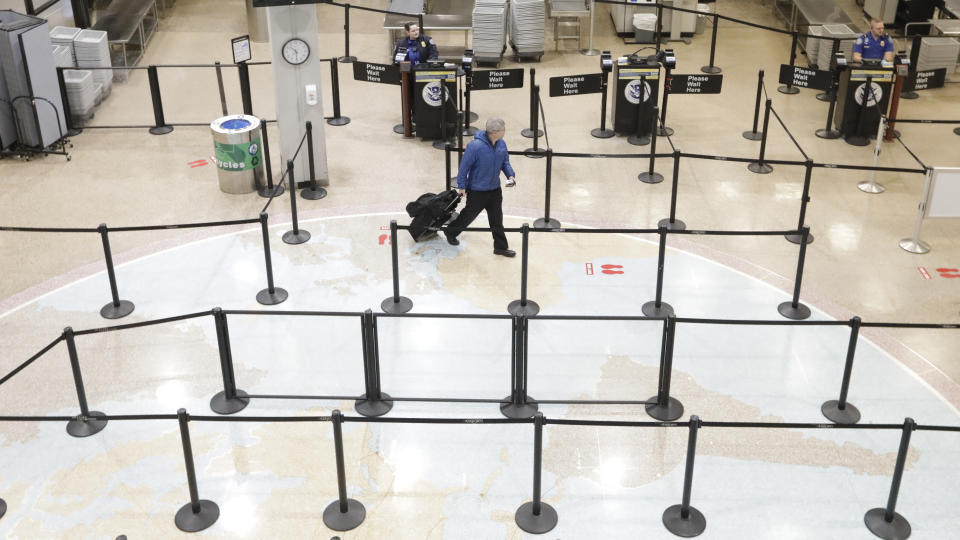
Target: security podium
638	80
431	103
858	112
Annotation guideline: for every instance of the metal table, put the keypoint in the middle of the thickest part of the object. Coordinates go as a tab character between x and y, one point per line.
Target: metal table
801	13
947	27
441	15
129	26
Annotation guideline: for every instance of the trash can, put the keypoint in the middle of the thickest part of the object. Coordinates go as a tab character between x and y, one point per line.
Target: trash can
238	153
644	27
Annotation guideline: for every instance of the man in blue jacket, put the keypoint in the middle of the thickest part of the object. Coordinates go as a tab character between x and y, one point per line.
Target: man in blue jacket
483	160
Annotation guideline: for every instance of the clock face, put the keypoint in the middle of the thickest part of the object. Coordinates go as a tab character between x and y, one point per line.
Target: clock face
296	51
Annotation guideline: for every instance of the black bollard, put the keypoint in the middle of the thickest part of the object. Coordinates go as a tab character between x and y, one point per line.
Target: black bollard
682	519
337	119
524	306
160	126
546	222
650	177
230	400
88	422
639	138
269	190
662	406
223	94
518	404
117	308
243	71
753	134
858	138
713	47
789	88
528	133
839	411
759	166
271	295
672	223
198	514
535	152
804	199
395	303
886	522
295	236
346	58
342	514
603	132
313	192
662	129
374	402
794	309
536	516
656	307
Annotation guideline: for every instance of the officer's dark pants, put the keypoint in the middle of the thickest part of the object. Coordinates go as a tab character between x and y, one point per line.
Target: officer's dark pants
477	201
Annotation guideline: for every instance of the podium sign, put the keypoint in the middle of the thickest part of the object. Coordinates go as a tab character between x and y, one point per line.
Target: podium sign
575	85
806	78
695	84
497	79
925	80
376	73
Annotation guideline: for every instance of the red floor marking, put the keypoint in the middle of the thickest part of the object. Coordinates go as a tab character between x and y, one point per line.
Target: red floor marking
589	269
198	163
923	272
384	239
949	272
609	269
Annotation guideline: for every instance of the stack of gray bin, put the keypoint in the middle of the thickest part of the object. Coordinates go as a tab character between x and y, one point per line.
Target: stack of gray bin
93	51
812	46
489	30
81	94
938	52
64	35
527	21
826	45
28	80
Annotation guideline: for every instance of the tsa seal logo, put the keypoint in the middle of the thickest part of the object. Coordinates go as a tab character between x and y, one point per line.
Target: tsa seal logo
432	94
875	96
633	91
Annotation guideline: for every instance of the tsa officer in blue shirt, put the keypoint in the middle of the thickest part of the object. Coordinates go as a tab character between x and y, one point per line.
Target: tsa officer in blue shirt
420	48
874	44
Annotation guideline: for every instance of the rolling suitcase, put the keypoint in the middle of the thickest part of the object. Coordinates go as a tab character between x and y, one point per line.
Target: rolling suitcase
431	211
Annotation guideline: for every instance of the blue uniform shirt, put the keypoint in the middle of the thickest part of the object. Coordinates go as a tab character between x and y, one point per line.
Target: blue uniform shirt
482	163
413	54
869	47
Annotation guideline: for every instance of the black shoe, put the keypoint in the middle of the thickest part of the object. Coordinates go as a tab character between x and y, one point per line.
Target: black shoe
452	240
505	252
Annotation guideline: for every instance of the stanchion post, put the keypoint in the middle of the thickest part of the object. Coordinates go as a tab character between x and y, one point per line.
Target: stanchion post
528	133
838	410
535	152
662	129
72	130
649	176
160	126
886	522
759	166
269	190
602	132
88	422
523	306
337	119
672	223
871	185
243	71
638	138
223	94
271	295
536	516
794	309
468	115
546	222
518	404
682	519
753	134
830	95
448	166
296	235
789	88
713	47
857	138
444	106
198	514
656	307
342	514
662	406
590	51
395	303
313	192
346	58
231	400
374	402
804	199
461	118
117	308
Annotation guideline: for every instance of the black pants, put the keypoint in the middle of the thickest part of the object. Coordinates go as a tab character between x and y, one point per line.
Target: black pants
478	201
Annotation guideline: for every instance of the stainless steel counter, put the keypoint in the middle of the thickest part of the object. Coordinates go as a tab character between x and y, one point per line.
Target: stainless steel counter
798	14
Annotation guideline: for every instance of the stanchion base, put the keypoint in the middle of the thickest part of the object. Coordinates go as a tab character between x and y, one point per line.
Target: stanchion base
188	521
401	305
469	131
871	187
221	405
795	238
789	90
266	192
856	140
676	225
519	410
398	129
338	121
898	529
589	52
956	131
665	131
111	311
848	415
371	407
665	413
3	507
535	153
759	168
828	134
650	178
313	194
528	133
602	133
650	309
753	135
545	223
711	69
347	59
160	130
94	424
909	95
796	313
692	526
915	246
334	519
536	524
825	97
267	298
74	132
441	144
294	238
473	117
642	140
516	308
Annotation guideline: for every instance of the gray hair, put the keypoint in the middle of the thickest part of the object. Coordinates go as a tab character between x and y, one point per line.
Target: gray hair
496	124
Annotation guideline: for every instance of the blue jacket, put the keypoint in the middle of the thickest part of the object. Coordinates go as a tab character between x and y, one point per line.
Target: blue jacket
481	164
